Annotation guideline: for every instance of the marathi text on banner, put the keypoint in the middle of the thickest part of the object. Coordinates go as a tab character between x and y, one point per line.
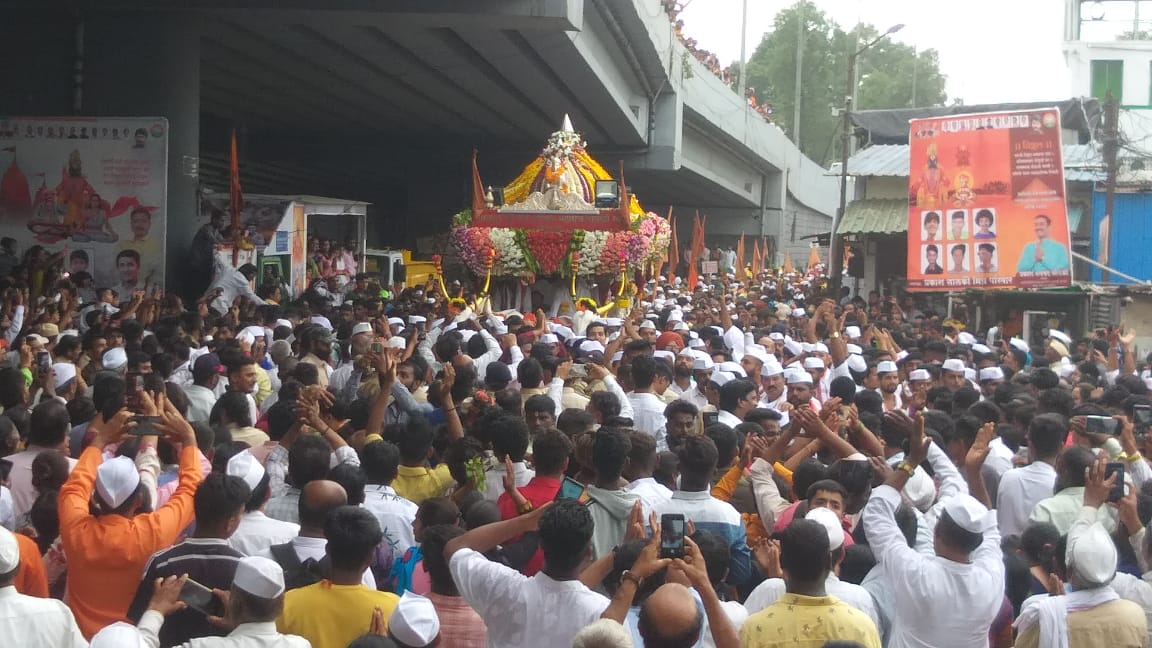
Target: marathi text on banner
95	188
986	202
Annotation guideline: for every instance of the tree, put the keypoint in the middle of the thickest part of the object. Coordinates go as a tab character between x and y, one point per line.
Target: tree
887	72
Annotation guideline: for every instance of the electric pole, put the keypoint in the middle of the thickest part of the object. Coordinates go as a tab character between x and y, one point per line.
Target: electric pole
798	89
1111	147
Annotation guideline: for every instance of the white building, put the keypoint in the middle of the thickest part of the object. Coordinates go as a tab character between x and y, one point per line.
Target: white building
1108	46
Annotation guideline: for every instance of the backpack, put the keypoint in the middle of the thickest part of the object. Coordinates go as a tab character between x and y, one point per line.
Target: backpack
299	573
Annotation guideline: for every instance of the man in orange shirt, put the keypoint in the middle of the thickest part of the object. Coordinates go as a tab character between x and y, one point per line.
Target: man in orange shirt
107	552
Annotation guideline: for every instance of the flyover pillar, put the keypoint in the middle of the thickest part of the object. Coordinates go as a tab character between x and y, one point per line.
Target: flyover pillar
148	64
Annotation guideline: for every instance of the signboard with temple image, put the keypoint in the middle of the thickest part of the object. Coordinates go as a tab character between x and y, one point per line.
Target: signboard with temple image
986	202
91	189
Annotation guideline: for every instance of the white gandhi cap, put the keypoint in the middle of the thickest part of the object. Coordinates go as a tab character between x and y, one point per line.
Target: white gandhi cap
116	480
414	621
919	374
246	467
991	373
9	551
953	364
828	519
118	635
967	512
260	577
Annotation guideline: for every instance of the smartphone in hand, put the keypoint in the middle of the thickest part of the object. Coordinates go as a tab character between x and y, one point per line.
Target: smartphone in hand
672	530
1117	492
201	598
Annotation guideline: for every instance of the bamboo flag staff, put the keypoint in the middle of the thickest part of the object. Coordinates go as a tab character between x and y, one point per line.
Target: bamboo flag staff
235	199
673	249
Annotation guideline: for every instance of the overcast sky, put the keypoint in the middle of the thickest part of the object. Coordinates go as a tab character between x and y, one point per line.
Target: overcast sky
991	50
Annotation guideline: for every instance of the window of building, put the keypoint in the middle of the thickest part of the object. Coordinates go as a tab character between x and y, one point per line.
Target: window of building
1108	75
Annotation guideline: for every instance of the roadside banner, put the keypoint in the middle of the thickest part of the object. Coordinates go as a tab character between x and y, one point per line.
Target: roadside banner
986	202
94	189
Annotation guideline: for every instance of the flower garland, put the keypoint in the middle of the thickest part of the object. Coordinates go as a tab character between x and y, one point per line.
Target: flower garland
591	246
549	249
520	252
473	245
510	259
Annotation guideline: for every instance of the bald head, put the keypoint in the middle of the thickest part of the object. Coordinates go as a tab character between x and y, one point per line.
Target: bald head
319	498
670	618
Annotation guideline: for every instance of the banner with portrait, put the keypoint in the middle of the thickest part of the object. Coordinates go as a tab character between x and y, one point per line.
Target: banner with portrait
986	202
92	188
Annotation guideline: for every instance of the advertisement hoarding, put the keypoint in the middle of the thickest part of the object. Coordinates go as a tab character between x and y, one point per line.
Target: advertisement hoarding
92	188
986	202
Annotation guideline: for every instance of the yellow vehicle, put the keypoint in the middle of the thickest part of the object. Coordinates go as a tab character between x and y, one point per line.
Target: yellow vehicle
397	268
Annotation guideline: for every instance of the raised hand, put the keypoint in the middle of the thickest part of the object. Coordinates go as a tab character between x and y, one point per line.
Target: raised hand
978	453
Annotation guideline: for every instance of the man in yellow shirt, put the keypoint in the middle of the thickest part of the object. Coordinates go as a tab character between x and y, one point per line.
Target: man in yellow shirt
415	481
333	612
806	616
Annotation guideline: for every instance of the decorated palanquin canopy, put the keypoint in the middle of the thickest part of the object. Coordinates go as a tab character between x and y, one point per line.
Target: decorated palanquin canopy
549	224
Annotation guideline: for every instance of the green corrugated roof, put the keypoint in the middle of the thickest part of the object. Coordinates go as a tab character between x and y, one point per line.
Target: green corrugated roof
875	216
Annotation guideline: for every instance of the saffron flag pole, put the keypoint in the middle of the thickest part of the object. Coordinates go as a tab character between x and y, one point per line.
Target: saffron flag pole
673	249
235	198
694	261
740	258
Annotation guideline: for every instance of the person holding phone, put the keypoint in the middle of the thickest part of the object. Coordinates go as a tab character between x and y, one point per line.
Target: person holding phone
205	558
1062	508
1093	611
108	550
251	606
698	458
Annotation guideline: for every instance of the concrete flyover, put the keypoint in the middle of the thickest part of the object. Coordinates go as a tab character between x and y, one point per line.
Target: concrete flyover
383	101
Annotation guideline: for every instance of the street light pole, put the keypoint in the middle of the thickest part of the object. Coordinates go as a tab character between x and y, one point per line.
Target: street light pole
835	253
798	88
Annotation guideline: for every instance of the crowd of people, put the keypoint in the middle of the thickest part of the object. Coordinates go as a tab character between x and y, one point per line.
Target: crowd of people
422	469
710	60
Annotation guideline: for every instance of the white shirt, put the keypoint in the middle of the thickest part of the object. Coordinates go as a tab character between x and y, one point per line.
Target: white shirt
491	353
181	376
775	406
1019	491
339	377
935	599
999	461
394	513
201	400
653	494
257	532
728	418
521	611
32	622
232	284
694	396
648	416
7	517
494	479
314	548
773	589
246	635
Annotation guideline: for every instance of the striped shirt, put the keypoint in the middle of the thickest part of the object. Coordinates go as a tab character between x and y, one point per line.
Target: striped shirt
208	561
